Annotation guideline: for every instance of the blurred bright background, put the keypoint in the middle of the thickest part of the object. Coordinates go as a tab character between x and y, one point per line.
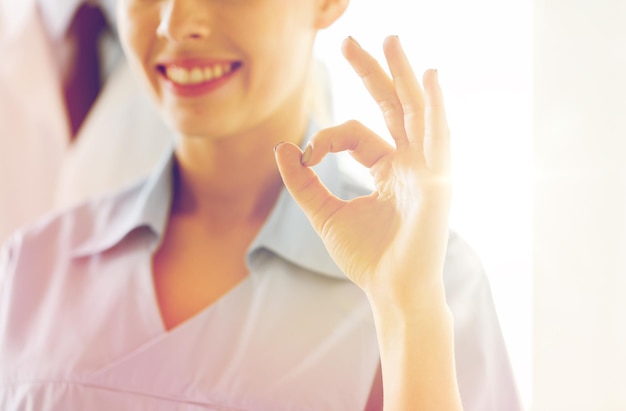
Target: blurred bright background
482	50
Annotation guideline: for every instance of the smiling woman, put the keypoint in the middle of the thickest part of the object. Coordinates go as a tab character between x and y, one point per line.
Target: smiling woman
249	271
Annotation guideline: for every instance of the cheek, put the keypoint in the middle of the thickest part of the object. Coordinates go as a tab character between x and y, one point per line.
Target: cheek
289	65
281	51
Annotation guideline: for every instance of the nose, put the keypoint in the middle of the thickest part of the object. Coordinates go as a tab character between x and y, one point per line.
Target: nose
184	20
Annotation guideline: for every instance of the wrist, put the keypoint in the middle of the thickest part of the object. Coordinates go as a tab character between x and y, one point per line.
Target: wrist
409	300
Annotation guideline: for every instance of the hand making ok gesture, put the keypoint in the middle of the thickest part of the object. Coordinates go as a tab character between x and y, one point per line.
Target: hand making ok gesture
392	243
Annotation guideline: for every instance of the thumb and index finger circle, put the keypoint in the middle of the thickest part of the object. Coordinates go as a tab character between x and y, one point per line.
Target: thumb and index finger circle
302	182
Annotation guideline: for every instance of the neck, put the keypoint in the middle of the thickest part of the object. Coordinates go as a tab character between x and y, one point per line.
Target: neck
232	181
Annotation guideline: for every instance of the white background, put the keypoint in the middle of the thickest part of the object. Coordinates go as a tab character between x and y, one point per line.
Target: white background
579	238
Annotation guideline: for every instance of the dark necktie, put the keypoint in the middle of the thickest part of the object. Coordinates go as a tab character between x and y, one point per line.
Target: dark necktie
83	80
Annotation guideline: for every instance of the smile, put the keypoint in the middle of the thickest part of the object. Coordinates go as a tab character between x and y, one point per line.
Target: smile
185	76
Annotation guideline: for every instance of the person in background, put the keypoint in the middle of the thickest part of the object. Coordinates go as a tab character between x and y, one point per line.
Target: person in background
73	123
209	286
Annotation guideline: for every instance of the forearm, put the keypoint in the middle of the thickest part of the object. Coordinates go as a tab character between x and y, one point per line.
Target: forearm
417	352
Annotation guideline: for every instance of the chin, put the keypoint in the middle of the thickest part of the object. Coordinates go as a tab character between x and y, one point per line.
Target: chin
193	129
188	126
203	123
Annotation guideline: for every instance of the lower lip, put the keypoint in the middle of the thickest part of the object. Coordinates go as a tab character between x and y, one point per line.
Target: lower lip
198	89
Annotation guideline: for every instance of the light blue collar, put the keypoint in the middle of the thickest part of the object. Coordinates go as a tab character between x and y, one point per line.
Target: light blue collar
145	204
287	232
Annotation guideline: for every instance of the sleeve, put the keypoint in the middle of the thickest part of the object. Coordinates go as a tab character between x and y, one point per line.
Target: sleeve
484	372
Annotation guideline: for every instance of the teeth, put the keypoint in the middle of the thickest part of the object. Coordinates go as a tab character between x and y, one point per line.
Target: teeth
196	75
218	72
208	73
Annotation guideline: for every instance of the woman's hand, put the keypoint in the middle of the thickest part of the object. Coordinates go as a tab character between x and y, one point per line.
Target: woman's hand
392	242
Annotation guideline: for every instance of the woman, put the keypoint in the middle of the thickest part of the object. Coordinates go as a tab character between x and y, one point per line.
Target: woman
203	287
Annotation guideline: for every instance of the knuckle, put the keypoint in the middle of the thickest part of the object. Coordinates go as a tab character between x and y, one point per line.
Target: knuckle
365	72
389	107
353	126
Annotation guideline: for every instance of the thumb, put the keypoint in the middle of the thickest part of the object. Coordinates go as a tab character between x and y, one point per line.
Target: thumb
305	186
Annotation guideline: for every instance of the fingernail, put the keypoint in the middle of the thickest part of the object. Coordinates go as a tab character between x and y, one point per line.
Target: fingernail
390	38
276	146
354	40
307	154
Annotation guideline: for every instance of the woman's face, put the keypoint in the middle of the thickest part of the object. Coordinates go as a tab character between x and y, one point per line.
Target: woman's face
221	67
